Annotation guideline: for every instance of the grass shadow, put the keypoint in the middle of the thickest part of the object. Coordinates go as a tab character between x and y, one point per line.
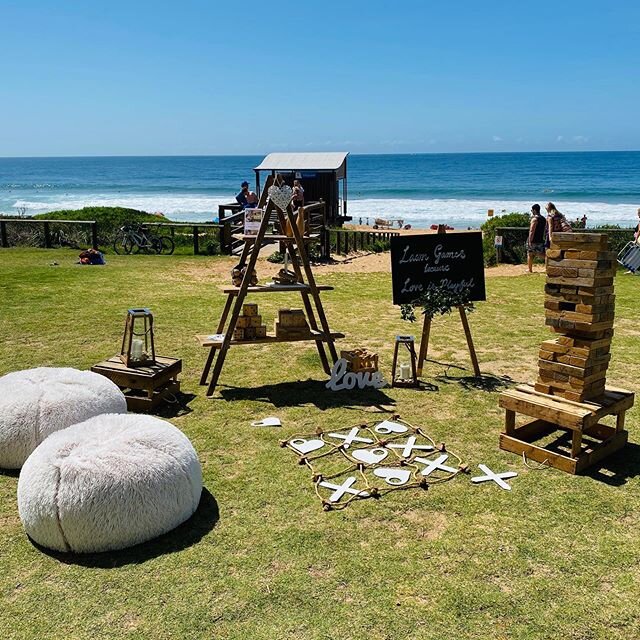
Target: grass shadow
309	392
484	382
183	536
618	468
176	408
10	473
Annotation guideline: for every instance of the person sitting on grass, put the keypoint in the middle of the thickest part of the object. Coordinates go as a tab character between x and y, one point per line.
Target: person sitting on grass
537	236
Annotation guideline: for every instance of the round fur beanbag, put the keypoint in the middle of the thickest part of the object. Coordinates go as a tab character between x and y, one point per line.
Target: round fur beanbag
108	483
37	402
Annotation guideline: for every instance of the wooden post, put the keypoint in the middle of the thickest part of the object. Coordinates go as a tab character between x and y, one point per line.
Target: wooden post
196	246
47	235
94	235
424	343
467	333
4	241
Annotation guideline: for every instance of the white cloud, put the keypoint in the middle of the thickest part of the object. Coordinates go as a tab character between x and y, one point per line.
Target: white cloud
497	139
580	139
559	138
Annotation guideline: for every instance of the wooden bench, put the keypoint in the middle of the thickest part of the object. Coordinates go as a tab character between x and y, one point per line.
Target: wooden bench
553	413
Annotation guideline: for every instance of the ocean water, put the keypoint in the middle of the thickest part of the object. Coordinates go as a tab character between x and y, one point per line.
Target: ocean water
421	189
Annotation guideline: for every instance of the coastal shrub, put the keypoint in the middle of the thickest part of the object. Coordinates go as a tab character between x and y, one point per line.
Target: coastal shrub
379	246
276	257
513	248
618	239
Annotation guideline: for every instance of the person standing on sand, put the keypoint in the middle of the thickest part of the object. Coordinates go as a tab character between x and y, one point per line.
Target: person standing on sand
537	236
555	221
636	231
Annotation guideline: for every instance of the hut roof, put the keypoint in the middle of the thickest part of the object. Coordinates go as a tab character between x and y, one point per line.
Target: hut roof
303	161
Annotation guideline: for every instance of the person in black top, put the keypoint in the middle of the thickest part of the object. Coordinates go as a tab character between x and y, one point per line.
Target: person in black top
537	236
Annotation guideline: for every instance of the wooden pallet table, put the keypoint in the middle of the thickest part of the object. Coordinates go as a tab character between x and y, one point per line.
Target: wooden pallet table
554	413
144	387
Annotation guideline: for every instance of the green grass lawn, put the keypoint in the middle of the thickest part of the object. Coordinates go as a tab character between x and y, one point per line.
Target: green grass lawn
557	557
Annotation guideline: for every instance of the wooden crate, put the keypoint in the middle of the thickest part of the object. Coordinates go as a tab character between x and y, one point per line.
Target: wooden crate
360	360
144	387
551	414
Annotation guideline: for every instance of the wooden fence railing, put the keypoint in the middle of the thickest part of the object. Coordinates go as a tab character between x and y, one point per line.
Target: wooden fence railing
344	241
196	231
48	238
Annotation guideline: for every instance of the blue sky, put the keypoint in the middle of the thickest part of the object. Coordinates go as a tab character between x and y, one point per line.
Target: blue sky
203	77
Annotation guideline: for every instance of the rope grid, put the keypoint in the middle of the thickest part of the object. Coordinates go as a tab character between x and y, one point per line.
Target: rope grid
393	460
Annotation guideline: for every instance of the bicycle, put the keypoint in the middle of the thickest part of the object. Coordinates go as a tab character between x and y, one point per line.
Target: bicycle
135	238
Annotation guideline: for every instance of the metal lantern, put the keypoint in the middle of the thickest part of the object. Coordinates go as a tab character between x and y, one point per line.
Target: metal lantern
407	375
138	348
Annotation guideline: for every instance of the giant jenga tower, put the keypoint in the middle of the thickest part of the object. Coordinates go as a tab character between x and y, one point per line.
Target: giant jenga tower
570	394
579	306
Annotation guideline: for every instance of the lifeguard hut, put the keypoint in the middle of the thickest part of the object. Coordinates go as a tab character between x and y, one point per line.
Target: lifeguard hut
322	175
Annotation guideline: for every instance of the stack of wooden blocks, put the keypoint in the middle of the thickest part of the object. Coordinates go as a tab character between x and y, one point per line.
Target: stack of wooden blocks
570	394
237	274
249	325
579	305
291	324
360	360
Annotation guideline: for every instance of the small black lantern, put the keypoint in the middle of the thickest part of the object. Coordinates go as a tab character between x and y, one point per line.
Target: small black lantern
138	348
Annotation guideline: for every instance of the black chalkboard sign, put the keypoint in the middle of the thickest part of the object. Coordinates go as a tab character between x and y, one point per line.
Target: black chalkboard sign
422	261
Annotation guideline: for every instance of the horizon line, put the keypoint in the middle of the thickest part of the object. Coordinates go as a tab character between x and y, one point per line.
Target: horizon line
244	155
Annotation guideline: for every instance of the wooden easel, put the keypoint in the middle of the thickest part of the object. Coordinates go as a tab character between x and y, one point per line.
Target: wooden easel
426	330
295	246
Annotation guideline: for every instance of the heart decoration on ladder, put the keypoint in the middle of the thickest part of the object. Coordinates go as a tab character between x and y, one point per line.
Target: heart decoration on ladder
281	196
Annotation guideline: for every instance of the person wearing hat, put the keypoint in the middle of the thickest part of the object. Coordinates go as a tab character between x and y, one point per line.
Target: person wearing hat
241	198
247	199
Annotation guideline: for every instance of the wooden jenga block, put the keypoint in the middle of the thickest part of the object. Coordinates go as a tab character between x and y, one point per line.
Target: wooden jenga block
292	318
291	332
584	264
586	241
583	282
563	272
250	309
554	254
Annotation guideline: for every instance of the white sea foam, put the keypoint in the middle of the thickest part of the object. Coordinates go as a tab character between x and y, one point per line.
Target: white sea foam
459	213
464	213
178	206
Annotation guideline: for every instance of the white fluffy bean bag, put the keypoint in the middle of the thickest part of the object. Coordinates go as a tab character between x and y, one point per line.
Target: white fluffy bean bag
37	402
108	483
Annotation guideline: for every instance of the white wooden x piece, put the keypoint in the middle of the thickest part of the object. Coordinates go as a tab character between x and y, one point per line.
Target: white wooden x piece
352	436
409	446
341	489
498	478
432	465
